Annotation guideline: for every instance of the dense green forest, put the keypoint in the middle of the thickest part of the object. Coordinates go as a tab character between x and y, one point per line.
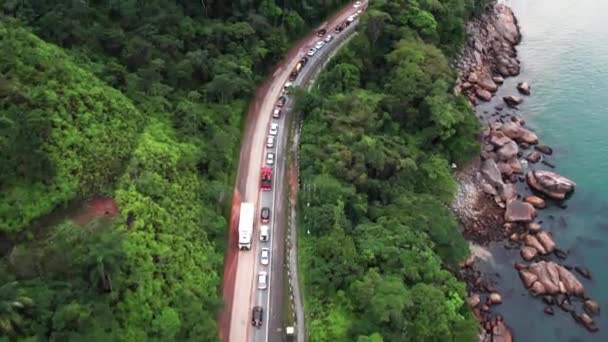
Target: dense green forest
379	133
141	101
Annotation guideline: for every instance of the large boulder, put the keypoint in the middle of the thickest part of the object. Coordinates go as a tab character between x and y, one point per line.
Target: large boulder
541	270
515	165
591	307
505	169
499	139
518	211
572	285
491	173
587	322
473	77
483	94
524	88
486	82
506	24
532	241
528	253
494	298
487	188
518	133
536	201
550	184
508	192
500	333
512	101
474	300
553	279
546	240
508	151
527	277
538	289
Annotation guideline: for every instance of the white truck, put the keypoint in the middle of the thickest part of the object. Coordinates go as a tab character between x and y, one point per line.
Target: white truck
246	225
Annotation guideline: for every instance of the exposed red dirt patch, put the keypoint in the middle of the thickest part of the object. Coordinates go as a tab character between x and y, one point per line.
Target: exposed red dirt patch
230	264
96	207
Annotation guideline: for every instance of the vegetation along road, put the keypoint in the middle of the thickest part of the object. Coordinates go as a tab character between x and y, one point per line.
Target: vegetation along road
378	245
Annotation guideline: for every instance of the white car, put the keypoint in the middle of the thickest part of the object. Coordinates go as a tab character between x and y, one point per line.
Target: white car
270	158
265	256
359	12
276	113
270	142
274	129
319	44
329	38
264	233
357	4
311	52
262	280
351	19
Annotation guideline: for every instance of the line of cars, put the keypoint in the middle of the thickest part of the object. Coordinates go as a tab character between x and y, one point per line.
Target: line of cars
271	140
257	314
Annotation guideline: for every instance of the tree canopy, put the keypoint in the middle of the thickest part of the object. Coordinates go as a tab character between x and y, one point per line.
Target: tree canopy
380	131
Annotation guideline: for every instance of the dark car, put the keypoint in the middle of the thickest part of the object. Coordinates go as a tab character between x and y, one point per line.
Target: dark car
321	32
265	214
281	101
257	316
304	60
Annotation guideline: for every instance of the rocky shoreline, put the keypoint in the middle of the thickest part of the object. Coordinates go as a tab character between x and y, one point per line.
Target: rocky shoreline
501	191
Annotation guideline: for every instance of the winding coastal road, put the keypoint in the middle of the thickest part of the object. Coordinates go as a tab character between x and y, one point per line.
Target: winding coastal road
240	292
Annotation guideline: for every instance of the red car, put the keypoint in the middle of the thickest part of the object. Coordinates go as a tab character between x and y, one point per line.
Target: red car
321	32
265	215
266	178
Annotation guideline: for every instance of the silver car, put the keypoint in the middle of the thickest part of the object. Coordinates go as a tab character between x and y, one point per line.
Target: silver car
270	158
319	45
276	113
274	129
262	280
270	142
265	256
311	52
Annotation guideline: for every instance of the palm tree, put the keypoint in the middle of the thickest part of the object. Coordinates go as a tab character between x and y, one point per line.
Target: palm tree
12	303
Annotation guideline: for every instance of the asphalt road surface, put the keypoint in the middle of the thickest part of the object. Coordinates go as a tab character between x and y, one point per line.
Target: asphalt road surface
240	290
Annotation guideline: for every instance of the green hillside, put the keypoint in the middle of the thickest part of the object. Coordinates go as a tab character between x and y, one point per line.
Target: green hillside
63	133
189	69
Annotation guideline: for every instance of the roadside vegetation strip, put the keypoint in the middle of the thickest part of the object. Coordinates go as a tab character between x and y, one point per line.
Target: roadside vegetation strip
295	280
380	130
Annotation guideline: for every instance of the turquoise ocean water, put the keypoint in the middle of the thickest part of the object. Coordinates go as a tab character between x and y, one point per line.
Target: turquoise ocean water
564	56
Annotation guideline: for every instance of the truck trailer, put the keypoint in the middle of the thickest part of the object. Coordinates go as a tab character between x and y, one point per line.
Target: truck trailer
246	225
